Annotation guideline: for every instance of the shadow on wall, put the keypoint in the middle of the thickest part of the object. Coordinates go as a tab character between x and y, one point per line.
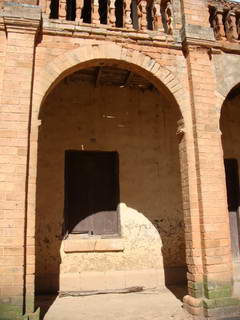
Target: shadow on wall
141	126
143	241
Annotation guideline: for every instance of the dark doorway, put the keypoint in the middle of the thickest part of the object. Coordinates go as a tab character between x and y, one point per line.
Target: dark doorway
91	192
232	182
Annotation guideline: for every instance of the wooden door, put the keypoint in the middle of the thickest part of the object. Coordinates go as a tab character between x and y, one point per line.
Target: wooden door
91	192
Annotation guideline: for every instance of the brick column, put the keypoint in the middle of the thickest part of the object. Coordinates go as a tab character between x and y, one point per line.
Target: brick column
191	217
21	24
214	220
195	14
217	300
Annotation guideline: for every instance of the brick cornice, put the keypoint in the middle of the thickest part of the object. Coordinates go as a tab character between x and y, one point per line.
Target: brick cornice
20	18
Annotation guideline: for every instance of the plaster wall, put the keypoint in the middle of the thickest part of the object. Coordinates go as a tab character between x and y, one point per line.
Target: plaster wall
227	72
230	127
141	127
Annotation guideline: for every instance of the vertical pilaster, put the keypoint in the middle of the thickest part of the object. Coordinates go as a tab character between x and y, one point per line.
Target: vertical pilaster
21	25
191	218
195	13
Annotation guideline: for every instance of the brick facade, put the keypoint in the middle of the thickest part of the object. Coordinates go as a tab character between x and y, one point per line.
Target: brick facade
193	65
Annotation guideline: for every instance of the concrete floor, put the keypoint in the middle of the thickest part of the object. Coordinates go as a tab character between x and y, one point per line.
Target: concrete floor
159	304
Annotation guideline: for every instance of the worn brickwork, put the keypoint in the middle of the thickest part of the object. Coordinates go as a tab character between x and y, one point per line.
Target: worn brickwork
192	68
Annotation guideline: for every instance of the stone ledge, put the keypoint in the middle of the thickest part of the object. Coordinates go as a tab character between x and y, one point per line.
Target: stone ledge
81	30
21	11
197	33
92	245
21	18
100	280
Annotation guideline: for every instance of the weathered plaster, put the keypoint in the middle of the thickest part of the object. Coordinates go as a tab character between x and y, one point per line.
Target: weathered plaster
230	127
227	72
142	128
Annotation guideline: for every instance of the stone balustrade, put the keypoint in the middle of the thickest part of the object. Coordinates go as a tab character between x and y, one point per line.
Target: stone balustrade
131	14
225	20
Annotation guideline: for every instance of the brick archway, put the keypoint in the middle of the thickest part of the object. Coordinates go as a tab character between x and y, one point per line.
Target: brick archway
95	54
84	57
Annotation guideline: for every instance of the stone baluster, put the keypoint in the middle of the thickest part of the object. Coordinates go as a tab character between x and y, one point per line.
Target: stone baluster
127	14
238	24
111	10
157	17
79	6
228	24
216	21
48	7
167	17
143	8
43	5
95	12
62	9
139	13
220	26
233	23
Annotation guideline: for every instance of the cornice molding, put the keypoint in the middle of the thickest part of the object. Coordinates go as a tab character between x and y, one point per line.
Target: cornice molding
20	18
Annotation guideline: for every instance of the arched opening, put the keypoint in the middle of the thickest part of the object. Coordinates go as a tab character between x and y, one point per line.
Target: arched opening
230	128
136	237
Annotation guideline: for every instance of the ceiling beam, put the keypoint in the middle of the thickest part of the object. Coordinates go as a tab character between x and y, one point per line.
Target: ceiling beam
98	77
128	78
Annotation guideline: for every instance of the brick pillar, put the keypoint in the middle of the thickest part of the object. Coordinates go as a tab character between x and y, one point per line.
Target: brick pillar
195	13
17	290
216	297
214	220
191	217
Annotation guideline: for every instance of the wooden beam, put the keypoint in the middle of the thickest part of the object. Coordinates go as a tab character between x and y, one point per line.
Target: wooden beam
151	87
99	73
129	78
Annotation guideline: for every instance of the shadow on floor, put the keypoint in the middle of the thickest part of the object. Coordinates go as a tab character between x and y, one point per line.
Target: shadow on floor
178	290
45	302
150	304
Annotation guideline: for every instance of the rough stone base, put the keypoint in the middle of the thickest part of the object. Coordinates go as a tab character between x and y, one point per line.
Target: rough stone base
13	312
226	308
224	313
10	311
32	316
236	274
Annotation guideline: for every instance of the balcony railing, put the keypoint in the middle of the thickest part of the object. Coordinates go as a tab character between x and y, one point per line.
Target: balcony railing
225	20
131	14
